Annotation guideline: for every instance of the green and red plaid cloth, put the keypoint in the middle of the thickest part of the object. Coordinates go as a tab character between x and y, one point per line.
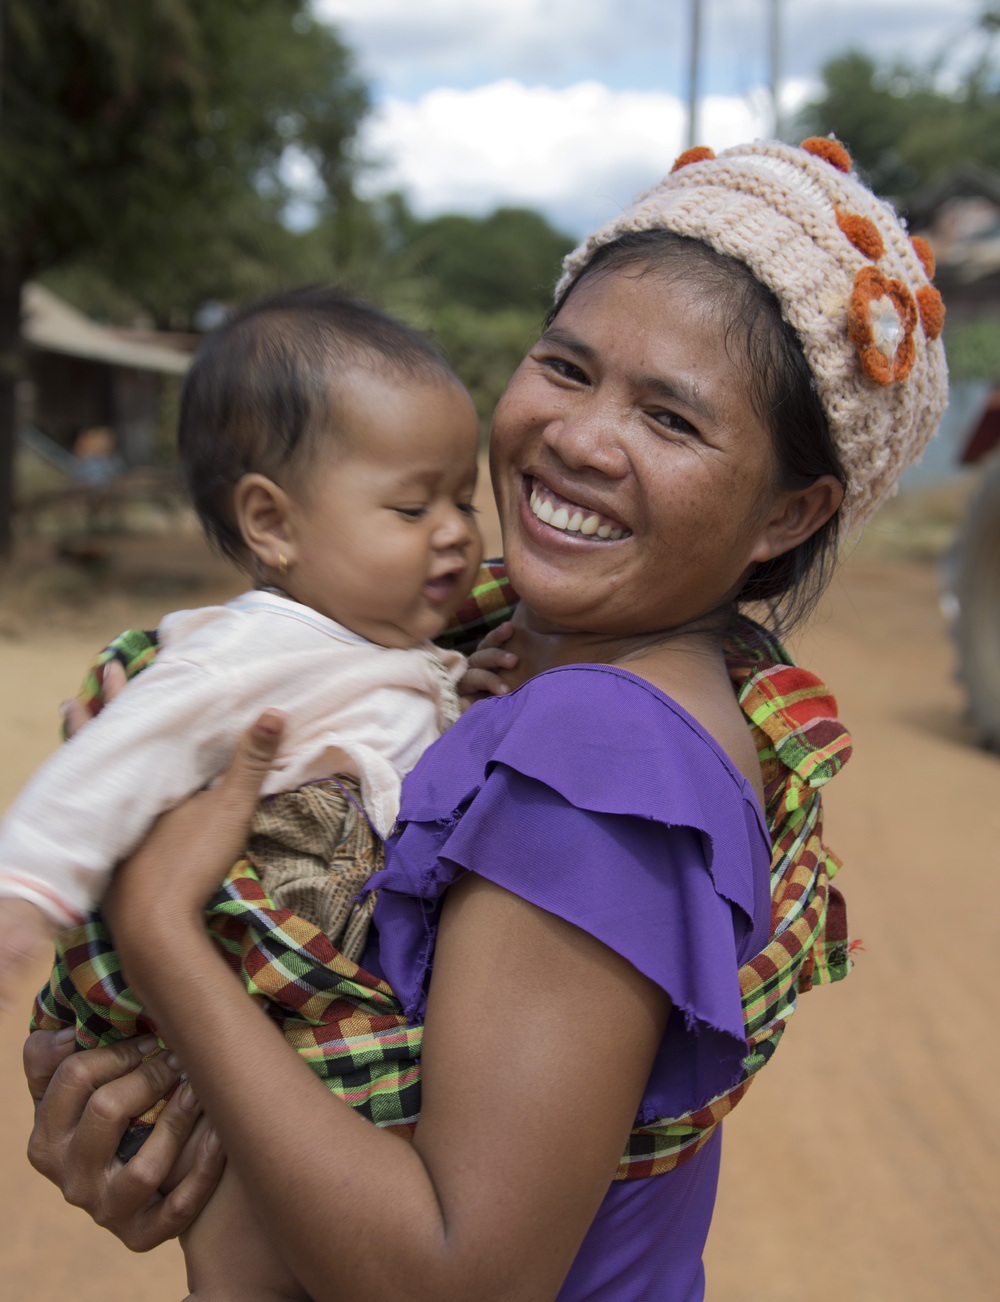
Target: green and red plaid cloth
349	1026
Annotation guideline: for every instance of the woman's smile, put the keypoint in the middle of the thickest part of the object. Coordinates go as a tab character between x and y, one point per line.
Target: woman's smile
566	515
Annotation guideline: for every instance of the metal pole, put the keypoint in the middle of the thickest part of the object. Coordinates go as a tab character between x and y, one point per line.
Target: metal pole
693	69
774	61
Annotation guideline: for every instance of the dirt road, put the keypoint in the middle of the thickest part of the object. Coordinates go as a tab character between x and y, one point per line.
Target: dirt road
864	1163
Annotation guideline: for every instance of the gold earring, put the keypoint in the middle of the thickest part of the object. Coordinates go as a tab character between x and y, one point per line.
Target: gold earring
282	564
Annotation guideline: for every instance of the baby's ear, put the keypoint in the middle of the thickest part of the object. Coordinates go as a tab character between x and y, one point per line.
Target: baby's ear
262	510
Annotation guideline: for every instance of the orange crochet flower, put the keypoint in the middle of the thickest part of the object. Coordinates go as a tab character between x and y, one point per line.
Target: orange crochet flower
926	255
862	232
832	150
930	304
881	318
696	154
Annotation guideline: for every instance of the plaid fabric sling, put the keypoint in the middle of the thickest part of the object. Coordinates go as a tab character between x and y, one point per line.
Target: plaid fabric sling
349	1026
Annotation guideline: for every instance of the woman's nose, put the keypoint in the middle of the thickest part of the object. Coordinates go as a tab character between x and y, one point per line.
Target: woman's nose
587	437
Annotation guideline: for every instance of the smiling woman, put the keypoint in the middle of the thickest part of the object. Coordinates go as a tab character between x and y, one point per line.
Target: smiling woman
637	417
604	890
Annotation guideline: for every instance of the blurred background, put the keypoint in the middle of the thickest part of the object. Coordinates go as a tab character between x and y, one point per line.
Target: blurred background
164	161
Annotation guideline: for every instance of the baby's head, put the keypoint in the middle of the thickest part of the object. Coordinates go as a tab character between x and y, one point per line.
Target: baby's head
330	451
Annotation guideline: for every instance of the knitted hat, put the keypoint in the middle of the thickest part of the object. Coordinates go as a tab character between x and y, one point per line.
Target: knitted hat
849	279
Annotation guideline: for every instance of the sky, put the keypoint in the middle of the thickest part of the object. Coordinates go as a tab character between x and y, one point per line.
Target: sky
575	106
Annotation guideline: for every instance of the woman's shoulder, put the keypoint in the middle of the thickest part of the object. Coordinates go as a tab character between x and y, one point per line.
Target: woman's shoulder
602	738
594	796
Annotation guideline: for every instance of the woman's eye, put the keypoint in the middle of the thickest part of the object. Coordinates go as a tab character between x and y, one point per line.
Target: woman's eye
669	420
566	369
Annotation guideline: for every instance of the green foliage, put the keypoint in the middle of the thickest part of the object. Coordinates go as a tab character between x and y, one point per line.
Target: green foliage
484	347
480	285
508	259
973	349
149	140
143	152
905	125
145	143
874	112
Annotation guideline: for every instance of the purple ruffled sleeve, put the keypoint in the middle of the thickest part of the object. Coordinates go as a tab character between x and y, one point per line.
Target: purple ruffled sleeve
593	796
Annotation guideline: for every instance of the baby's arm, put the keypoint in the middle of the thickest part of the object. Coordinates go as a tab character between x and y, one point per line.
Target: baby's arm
90	804
229	1253
25	933
481	677
26	930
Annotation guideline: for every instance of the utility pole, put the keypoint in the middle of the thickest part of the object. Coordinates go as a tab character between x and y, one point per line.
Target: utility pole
774	64
693	71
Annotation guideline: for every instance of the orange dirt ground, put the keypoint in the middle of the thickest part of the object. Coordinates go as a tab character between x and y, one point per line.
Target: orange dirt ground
864	1163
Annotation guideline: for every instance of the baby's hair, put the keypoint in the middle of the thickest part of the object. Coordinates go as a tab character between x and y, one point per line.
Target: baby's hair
261	394
780	388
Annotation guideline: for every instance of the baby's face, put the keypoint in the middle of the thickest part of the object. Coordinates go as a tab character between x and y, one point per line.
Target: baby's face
386	542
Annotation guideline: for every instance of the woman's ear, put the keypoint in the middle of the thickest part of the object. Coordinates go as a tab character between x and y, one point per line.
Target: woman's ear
263	517
796	515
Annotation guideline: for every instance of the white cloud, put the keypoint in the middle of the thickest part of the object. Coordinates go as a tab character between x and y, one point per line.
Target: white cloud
572	106
444	39
578	154
639	44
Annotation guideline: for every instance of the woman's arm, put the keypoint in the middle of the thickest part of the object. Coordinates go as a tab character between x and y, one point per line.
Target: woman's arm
539	1041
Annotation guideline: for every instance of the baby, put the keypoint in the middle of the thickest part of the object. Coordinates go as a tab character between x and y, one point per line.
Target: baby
331	453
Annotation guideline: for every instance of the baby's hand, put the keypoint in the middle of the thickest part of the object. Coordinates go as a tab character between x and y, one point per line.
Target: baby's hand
25	932
76	715
481	678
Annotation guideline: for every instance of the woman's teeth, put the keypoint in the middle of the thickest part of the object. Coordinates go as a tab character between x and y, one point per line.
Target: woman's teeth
571	520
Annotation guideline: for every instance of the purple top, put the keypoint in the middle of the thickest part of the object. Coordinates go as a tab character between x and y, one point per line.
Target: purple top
618	812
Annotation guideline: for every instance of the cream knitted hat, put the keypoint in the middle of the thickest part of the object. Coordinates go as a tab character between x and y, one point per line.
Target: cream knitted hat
849	279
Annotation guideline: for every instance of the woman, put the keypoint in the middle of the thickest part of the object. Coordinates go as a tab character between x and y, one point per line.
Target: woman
735	368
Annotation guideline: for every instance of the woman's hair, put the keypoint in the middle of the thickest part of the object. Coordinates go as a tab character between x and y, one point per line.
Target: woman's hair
779	387
261	394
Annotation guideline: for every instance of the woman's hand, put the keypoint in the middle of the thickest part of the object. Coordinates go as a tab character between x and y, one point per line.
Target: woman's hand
83	1102
481	679
192	847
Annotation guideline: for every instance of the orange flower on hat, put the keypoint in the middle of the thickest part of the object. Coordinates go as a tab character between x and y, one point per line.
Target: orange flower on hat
696	154
881	318
925	253
862	232
930	304
832	150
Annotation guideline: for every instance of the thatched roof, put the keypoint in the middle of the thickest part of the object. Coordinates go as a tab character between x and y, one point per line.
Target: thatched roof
50	324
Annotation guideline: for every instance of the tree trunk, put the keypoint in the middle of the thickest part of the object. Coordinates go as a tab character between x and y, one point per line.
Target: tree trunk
11	282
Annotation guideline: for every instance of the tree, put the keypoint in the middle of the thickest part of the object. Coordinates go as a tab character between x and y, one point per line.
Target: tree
151	139
905	125
480	285
509	259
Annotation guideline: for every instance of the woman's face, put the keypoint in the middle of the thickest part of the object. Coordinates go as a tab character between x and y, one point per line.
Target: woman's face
633	478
